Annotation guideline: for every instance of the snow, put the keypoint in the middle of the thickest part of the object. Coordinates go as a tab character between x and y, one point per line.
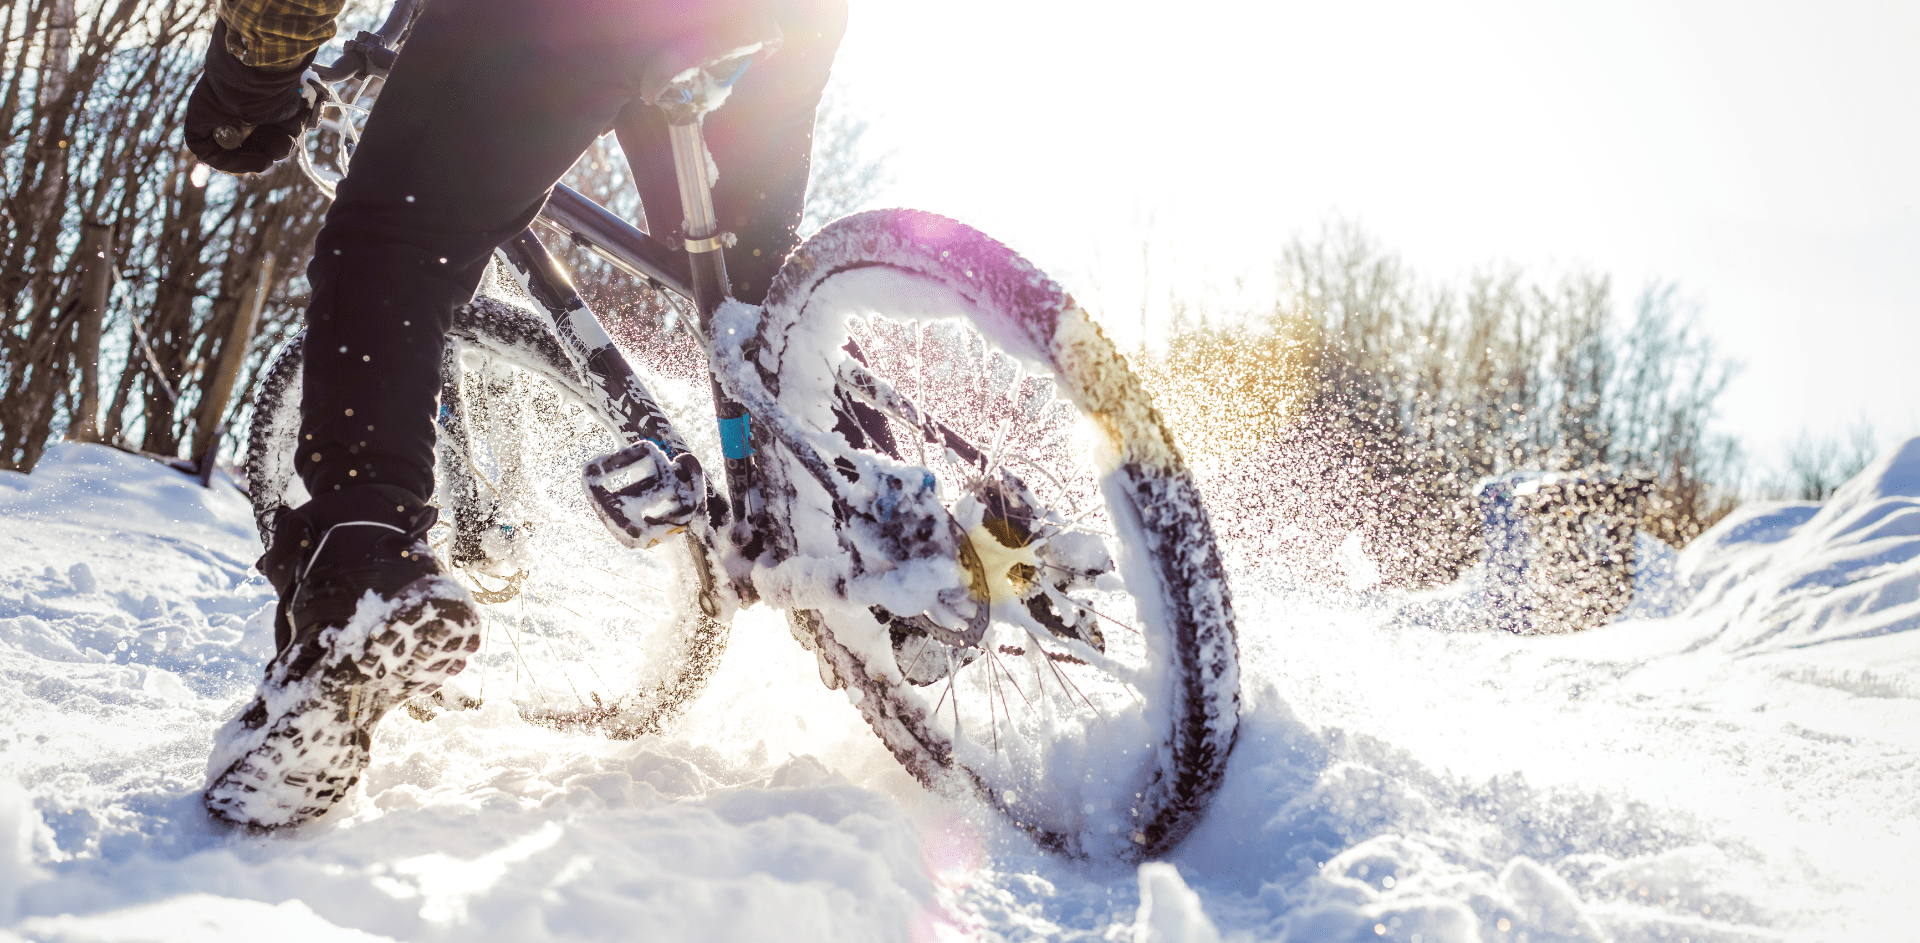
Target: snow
1732	761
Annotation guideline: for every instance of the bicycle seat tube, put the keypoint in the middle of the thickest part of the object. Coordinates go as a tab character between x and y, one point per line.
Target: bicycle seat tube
700	232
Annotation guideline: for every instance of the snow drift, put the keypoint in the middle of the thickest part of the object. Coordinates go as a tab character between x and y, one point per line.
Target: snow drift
1732	761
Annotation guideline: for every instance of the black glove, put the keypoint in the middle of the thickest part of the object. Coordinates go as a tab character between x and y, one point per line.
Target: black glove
241	119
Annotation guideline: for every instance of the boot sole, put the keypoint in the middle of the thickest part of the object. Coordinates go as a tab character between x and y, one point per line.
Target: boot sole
313	749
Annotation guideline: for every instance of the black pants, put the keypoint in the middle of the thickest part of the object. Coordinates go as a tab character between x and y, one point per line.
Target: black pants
490	102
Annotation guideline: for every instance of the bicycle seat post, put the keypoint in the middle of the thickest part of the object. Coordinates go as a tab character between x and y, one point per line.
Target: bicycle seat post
703	240
700	230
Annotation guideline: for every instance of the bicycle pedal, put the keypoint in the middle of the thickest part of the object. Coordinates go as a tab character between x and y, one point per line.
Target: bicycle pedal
642	495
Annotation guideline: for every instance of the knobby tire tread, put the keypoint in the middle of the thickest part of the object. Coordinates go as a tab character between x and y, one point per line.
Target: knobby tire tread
1161	492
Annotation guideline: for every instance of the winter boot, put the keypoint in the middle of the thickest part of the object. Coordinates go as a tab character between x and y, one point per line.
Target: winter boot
367	620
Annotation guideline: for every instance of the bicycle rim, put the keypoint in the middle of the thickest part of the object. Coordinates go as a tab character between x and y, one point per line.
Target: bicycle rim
1098	711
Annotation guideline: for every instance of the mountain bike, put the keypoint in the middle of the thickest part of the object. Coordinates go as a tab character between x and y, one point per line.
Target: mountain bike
930	457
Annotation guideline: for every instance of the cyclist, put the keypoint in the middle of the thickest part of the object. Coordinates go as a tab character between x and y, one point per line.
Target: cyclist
491	101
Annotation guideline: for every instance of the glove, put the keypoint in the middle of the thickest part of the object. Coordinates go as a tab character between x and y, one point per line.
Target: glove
243	120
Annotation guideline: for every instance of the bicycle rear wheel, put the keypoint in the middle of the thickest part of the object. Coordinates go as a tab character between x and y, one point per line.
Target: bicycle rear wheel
1099	709
581	632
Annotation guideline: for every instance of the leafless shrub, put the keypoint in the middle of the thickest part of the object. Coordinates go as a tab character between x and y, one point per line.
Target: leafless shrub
1403	394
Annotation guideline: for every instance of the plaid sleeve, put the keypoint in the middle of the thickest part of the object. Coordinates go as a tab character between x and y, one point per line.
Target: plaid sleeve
277	34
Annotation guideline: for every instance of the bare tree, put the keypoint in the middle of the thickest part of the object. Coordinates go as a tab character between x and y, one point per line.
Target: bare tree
92	99
1816	466
847	176
1402	394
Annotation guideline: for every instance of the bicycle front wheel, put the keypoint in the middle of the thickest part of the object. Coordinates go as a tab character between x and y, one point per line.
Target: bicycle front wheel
1099	709
581	632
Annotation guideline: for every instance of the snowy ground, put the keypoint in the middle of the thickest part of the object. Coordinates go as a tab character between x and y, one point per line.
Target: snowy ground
1735	762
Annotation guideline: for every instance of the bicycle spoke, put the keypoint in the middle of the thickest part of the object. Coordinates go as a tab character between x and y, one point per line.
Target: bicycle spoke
958	735
617	599
993	726
944	693
1103	535
521	662
1092	658
1009	675
564	676
589	662
1065	682
920	385
1059	488
1066	526
1058	595
999	448
917	654
617	576
486	642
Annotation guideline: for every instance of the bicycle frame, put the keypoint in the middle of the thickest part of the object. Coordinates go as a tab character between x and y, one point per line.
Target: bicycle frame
698	273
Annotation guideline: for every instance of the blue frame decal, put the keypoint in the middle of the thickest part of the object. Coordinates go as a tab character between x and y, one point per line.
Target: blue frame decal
735	439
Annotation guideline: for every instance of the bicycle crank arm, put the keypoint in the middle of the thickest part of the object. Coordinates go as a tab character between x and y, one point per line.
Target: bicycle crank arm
644	497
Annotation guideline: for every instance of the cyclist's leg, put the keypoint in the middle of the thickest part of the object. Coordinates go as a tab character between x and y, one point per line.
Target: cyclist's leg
486	108
762	142
490	103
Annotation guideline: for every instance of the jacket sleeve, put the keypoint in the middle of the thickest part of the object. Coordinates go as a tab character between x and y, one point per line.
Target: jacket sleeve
277	35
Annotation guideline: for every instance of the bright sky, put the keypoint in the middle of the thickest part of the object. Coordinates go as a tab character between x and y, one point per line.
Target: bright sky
1765	156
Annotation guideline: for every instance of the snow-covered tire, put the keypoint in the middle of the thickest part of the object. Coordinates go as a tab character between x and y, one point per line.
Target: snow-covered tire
1109	753
626	674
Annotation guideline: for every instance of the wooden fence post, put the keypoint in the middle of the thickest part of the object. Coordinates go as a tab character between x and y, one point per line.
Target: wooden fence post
96	285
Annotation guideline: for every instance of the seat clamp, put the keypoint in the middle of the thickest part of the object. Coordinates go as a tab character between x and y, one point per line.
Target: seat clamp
711	243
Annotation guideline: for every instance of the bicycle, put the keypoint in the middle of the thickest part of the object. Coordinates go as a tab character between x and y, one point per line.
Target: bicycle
1051	635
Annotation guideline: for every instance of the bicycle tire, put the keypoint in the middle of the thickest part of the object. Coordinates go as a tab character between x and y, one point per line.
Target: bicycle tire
1074	782
583	683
